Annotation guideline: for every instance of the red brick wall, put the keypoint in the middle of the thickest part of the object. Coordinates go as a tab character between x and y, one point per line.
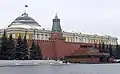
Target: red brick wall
65	48
47	48
57	48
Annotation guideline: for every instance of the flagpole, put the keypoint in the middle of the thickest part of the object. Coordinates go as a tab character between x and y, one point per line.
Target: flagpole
25	10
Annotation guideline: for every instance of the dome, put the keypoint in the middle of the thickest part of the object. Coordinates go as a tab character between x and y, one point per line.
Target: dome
24	20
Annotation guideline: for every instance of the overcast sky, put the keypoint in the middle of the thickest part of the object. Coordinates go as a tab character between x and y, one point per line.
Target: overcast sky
86	16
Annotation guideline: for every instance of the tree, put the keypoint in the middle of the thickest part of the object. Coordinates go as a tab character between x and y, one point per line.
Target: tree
95	46
35	52
4	47
117	51
19	49
38	52
11	48
100	47
107	48
110	50
103	47
32	51
25	48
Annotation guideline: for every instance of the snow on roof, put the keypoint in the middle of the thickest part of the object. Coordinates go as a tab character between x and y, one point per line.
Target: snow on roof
26	26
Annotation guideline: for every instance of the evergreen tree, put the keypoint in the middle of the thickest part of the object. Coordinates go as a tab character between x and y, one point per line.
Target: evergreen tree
95	46
19	49
11	48
32	51
103	47
100	47
110	50
117	51
4	47
107	48
38	52
35	52
24	47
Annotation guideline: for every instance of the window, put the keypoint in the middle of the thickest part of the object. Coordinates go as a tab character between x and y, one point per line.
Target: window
46	36
84	39
13	35
79	39
68	39
49	35
33	36
89	41
76	39
65	38
37	36
42	37
71	39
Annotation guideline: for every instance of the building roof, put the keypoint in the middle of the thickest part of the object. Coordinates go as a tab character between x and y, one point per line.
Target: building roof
56	27
56	17
24	21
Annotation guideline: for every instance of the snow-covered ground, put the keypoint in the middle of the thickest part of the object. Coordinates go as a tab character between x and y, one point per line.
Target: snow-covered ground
28	62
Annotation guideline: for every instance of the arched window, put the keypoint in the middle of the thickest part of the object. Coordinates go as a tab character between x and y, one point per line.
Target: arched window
42	37
76	39
37	36
46	36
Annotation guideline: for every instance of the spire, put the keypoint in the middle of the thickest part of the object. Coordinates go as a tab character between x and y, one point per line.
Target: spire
56	17
56	33
56	27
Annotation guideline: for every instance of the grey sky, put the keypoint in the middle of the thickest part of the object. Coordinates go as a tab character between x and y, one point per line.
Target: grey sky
87	16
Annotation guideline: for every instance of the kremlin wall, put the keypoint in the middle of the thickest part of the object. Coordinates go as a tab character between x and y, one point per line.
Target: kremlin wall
57	44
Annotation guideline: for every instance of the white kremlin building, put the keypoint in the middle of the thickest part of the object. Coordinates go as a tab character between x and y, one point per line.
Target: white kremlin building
34	31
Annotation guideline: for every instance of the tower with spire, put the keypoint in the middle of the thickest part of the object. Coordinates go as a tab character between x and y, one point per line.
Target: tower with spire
56	27
56	33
